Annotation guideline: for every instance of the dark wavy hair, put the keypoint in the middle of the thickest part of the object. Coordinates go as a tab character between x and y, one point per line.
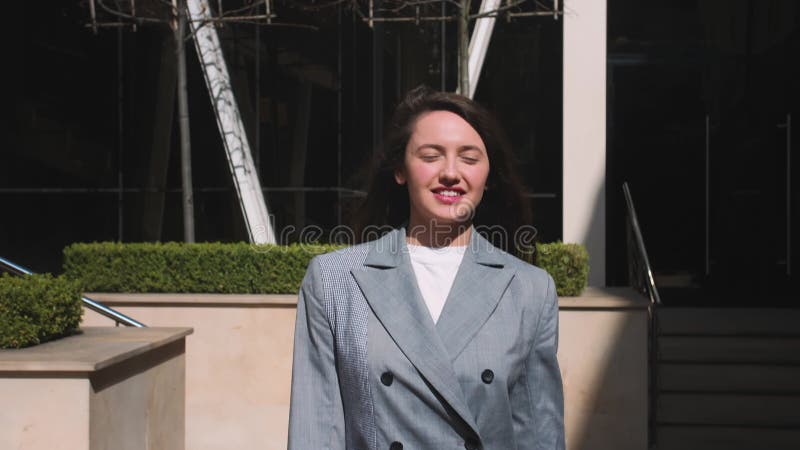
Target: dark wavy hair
503	204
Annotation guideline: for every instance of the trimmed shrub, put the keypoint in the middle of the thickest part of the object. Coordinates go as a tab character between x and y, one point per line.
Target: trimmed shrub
37	308
235	268
568	264
241	268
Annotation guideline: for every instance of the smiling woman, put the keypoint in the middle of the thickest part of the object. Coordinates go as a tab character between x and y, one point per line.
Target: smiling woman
442	128
445	169
430	337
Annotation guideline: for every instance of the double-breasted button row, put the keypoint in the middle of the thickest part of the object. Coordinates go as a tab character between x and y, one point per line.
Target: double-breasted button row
387	378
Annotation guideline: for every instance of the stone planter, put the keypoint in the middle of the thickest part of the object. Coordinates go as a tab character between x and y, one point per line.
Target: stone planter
240	357
238	362
603	355
104	389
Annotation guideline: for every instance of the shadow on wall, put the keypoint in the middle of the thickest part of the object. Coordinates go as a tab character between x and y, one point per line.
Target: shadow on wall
603	352
603	357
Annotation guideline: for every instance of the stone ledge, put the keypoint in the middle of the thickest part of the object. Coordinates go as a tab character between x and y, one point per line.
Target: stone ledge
169	299
605	298
592	298
95	348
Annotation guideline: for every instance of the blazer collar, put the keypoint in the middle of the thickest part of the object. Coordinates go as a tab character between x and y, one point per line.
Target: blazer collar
389	286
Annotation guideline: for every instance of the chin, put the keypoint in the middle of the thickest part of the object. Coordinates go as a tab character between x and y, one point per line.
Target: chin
450	221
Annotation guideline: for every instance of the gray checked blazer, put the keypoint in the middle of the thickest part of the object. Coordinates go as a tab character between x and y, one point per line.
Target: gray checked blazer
372	371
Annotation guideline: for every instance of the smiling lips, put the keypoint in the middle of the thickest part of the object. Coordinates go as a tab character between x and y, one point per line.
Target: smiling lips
448	195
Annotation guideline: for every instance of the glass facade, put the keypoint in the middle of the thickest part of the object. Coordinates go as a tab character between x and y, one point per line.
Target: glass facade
700	100
92	149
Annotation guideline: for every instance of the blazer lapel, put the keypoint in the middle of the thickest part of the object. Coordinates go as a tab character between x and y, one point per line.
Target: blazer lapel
389	286
479	284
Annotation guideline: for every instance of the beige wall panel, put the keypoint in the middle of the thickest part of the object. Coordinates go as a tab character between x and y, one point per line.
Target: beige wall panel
239	366
44	413
238	370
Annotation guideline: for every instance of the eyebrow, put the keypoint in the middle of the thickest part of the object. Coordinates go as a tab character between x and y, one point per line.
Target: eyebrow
463	148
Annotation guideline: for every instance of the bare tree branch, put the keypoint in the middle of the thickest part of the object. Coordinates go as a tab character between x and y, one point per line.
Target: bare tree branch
390	11
416	3
122	15
495	12
252	6
329	4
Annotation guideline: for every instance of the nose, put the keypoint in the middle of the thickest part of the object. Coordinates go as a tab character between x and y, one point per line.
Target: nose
449	174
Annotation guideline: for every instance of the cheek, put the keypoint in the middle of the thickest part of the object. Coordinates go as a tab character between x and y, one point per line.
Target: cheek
478	176
420	174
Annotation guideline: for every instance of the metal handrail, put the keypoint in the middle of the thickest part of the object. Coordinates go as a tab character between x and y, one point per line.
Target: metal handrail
637	272
97	307
637	235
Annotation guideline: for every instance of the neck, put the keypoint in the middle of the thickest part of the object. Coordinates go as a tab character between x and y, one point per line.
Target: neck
439	235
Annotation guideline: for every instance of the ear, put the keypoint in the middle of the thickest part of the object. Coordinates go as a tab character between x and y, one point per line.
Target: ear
399	177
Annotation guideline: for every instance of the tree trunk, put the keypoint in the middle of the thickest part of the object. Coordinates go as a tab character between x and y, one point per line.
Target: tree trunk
463	47
162	115
183	121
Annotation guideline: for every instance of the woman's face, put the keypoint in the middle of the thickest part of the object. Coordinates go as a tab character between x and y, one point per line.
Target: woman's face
445	169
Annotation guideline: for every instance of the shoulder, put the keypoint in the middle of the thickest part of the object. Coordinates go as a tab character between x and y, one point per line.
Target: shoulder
532	285
534	291
332	268
531	278
342	259
534	279
383	249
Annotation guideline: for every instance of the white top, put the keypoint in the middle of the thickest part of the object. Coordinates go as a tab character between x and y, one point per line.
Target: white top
435	269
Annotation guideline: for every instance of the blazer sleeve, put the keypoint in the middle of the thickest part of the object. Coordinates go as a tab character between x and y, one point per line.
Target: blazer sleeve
545	389
316	417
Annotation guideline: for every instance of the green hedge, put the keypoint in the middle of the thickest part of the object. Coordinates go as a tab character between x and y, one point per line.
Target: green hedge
568	264
237	268
37	308
242	268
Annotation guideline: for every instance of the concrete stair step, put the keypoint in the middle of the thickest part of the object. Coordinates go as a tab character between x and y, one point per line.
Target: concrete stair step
728	321
728	378
726	438
742	410
738	378
775	350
